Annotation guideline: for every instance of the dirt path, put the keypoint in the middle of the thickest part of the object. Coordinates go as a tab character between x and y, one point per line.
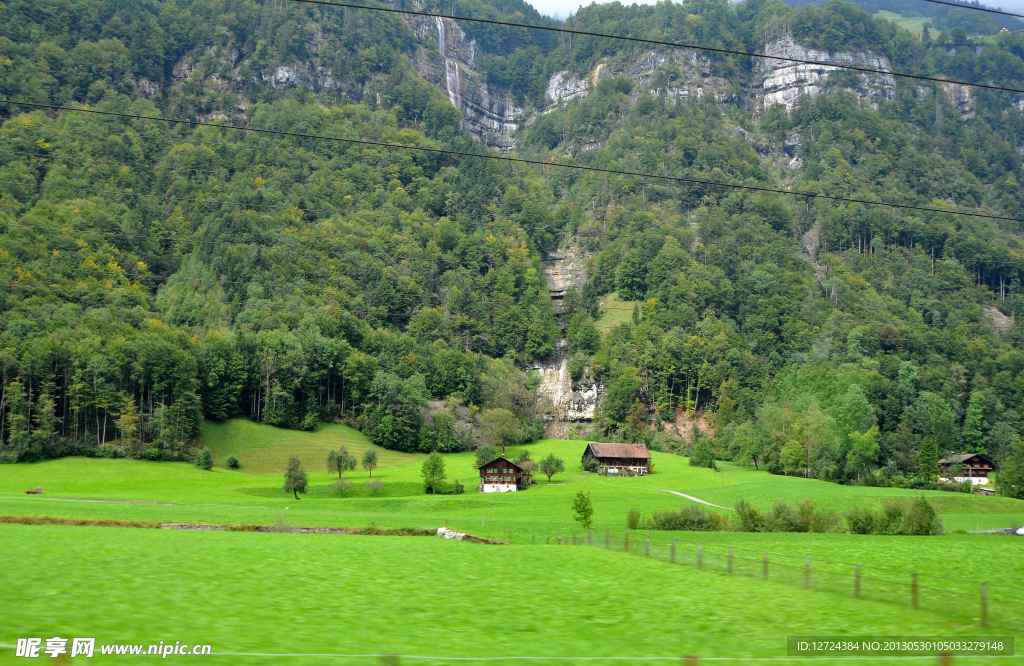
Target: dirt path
691	497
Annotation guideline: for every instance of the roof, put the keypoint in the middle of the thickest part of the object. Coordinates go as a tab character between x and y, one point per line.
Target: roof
502	458
612	450
963	457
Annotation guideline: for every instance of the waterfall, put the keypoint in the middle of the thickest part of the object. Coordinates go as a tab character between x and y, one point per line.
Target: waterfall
449	64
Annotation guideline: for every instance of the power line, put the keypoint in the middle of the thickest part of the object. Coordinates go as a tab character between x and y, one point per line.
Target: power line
522	160
978	8
655	42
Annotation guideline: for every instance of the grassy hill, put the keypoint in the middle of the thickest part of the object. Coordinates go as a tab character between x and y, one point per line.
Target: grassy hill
262	449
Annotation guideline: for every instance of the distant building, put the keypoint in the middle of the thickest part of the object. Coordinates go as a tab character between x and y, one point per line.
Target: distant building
500	476
972	466
620	458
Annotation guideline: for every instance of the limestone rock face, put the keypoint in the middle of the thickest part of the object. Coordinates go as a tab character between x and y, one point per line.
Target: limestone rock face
780	82
489	115
556	384
564	270
695	80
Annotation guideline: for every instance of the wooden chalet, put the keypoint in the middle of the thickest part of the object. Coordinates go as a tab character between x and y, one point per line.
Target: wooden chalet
620	458
973	467
500	476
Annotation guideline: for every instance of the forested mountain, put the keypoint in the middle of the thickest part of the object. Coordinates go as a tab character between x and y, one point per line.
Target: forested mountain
156	274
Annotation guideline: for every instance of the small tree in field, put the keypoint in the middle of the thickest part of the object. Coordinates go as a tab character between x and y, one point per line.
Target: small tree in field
295	478
370	460
341	485
552	465
340	461
583	509
433	472
373	485
204	459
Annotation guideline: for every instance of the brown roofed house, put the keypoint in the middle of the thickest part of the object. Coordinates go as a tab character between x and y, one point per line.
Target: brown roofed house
968	466
500	476
620	458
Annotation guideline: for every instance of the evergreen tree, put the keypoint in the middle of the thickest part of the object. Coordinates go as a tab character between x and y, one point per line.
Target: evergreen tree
975	426
928	461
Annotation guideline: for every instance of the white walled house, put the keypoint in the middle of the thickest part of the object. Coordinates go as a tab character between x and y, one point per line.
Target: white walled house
500	476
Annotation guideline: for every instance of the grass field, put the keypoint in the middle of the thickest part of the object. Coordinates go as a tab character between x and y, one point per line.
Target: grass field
914	24
309	594
613	311
264	450
352	589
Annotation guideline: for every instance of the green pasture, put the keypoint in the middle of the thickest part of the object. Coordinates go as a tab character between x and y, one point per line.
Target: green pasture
265	450
149	491
304	594
914	24
612	312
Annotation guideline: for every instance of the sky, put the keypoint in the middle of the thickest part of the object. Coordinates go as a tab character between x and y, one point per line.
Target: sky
561	8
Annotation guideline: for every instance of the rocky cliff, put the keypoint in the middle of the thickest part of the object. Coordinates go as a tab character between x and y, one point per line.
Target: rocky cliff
489	115
686	74
780	82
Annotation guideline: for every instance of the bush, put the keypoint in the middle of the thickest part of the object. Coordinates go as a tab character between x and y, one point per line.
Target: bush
590	464
783	518
690	518
860	521
233	462
633	519
701	456
922	518
204	459
890	519
750	519
458	488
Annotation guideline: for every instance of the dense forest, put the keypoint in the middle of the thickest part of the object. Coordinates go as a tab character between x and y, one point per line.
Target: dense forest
154	275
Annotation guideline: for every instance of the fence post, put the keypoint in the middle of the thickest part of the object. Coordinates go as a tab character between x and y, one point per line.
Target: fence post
574	537
590	537
672	552
856	581
945	659
764	566
690	660
607	539
984	604
913	590
534	539
807	573
647	545
510	536
730	559
700	555
625	546
559	539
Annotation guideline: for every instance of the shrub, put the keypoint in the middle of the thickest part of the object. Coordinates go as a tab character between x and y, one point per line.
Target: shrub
860	521
890	519
590	464
690	518
783	518
922	518
750	519
702	455
633	519
458	488
233	462
204	459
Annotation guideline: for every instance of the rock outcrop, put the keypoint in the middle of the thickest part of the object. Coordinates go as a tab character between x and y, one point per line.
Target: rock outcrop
690	76
568	404
490	116
781	82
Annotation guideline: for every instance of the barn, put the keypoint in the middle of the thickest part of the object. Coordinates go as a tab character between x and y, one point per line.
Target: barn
970	466
620	458
500	476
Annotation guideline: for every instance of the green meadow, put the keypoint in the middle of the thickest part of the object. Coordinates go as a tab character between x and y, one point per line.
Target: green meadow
307	593
304	594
